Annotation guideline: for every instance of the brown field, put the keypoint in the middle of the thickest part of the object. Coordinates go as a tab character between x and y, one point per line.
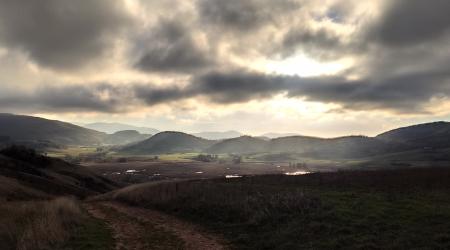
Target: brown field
144	171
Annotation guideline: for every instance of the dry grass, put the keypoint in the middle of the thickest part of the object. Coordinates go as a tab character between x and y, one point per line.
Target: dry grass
38	224
389	209
220	201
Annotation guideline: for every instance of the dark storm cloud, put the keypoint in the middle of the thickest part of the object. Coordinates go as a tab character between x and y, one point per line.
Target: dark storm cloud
394	74
409	22
224	88
62	34
100	97
153	95
242	15
237	86
171	48
406	93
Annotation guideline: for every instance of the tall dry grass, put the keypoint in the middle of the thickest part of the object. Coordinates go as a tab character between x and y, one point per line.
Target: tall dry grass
218	201
35	225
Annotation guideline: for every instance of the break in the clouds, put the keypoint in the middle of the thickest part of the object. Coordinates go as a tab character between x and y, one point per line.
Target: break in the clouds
385	56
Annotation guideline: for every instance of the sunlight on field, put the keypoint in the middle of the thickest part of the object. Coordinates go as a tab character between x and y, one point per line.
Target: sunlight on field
71	151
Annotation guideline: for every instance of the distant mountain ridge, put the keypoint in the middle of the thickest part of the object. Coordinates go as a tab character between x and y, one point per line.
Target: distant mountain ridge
25	129
213	135
429	135
125	137
278	135
111	128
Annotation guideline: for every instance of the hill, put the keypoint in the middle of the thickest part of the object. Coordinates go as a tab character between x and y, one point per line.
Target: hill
218	135
27	129
240	145
428	135
125	137
341	147
112	128
25	174
169	142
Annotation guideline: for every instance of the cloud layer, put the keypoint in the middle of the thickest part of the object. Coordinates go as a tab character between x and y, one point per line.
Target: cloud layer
215	51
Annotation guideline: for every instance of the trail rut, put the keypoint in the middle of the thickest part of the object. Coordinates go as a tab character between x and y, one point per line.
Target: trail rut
139	229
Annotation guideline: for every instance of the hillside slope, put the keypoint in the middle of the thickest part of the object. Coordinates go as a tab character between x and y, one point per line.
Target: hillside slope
14	128
428	135
25	174
240	145
169	142
341	147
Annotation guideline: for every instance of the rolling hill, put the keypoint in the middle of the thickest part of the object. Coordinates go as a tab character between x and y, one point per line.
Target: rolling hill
240	145
16	128
27	175
341	147
43	133
112	128
169	142
428	135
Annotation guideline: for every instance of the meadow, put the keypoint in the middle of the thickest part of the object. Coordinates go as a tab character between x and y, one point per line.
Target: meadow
389	209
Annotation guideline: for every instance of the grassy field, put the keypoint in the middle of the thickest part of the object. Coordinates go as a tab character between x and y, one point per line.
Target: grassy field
71	151
390	209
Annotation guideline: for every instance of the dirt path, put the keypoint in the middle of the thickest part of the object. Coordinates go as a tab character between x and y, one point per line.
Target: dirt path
139	229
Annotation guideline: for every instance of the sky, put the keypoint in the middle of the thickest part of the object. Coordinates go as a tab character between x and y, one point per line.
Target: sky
323	68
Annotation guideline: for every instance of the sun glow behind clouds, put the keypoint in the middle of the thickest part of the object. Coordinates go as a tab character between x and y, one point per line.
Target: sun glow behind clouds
303	66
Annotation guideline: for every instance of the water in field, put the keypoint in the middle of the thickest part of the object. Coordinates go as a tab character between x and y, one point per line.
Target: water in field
229	176
297	173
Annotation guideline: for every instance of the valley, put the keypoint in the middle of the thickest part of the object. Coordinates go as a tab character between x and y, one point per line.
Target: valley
174	190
